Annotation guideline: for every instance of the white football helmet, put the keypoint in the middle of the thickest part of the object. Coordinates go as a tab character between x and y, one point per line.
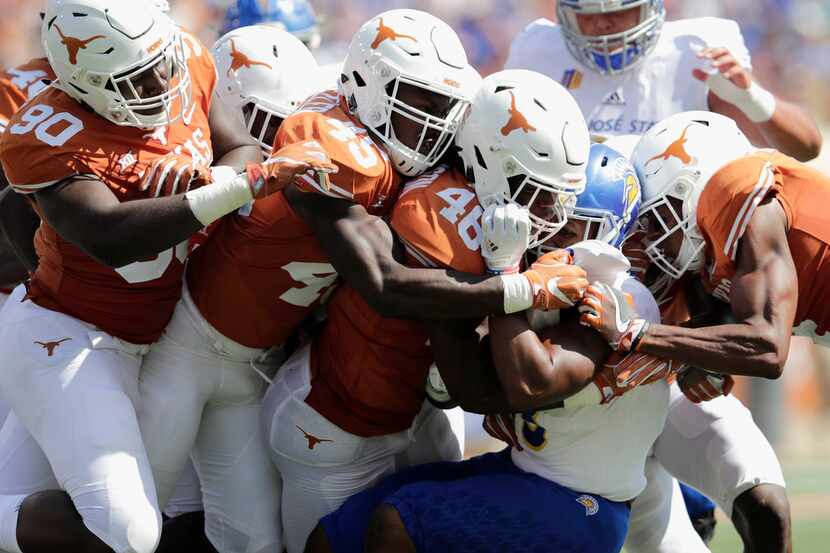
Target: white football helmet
408	48
265	73
675	159
525	135
103	52
614	53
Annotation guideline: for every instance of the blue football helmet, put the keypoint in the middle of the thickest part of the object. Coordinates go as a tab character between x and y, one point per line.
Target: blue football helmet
295	16
611	200
611	54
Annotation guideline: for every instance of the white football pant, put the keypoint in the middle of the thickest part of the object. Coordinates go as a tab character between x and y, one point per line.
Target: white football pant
319	476
659	521
200	395
75	390
713	446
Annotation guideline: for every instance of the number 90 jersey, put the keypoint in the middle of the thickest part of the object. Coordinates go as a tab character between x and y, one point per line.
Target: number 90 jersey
262	271
54	138
369	371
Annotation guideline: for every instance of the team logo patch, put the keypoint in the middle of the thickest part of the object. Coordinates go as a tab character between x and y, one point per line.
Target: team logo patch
517	119
74	45
240	60
676	149
51	346
126	161
590	503
313	441
632	193
388	33
572	79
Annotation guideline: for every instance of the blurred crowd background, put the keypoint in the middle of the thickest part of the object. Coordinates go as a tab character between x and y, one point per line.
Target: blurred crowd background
789	39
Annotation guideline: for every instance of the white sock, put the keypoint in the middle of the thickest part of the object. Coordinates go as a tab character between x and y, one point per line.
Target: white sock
9	509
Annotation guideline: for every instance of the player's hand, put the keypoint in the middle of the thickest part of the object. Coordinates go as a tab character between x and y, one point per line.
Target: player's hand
733	83
556	282
287	165
724	64
622	373
505	235
611	314
699	385
437	392
502	427
171	174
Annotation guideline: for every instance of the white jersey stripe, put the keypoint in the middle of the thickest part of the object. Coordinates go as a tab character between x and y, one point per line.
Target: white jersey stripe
747	209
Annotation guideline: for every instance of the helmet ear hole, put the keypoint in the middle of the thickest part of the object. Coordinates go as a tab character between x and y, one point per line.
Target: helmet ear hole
358	80
480	158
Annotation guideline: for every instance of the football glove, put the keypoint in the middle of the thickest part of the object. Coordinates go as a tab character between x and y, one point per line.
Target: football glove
555	282
505	235
700	385
287	165
612	314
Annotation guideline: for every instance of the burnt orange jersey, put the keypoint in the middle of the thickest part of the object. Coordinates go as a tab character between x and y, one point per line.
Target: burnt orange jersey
727	204
19	84
54	138
368	371
262	271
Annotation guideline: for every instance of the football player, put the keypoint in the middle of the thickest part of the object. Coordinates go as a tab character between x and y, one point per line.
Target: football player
499	502
342	411
106	154
215	417
628	69
737	215
727	457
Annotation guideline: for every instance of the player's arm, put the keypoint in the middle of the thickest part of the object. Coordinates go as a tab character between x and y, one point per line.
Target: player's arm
232	144
85	212
466	366
538	370
18	222
766	119
764	297
361	247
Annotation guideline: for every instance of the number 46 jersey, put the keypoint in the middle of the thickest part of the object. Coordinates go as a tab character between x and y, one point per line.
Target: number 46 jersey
262	271
369	371
54	138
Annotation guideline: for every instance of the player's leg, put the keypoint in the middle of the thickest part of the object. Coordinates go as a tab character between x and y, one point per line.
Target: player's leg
177	378
701	511
75	390
184	524
242	488
506	511
717	448
437	435
659	521
321	465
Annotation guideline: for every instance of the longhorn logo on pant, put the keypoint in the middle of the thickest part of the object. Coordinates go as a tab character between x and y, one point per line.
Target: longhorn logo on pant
313	441
51	346
74	45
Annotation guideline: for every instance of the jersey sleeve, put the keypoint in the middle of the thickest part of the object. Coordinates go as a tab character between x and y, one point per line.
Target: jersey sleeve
11	98
529	46
30	165
437	218
364	174
728	202
202	68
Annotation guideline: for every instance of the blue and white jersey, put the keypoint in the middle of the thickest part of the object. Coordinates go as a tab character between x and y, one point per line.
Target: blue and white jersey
632	102
598	449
